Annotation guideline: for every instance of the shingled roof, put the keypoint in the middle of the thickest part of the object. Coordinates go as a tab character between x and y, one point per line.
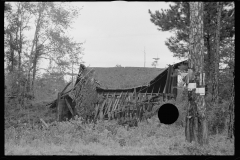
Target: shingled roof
125	77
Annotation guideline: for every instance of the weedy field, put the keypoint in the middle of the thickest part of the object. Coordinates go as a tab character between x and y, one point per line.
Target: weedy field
103	138
109	138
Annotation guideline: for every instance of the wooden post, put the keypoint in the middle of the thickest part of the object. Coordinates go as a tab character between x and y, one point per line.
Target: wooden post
101	110
146	94
69	107
121	104
44	123
158	90
136	99
152	91
119	99
58	107
139	106
106	103
168	79
108	109
97	109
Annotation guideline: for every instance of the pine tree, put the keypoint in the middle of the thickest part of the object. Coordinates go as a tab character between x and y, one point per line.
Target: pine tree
196	122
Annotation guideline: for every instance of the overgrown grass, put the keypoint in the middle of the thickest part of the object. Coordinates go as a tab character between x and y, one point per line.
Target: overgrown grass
108	138
104	138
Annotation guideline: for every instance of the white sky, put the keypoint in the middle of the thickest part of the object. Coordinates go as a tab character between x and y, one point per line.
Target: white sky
117	32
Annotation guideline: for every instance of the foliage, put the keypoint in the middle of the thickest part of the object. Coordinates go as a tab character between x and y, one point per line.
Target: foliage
107	138
118	65
176	19
50	41
217	117
48	86
85	94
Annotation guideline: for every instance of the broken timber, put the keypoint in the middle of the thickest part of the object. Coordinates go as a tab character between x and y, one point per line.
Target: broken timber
121	103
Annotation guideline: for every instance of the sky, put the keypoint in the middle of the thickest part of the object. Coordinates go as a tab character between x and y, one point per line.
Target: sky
117	33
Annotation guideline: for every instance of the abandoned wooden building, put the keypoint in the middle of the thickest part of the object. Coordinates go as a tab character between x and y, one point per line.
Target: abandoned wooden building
121	92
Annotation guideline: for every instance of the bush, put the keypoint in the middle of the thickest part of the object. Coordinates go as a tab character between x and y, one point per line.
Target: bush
217	117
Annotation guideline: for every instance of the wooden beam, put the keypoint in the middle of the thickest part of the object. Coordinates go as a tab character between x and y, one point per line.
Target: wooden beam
65	87
58	107
101	110
118	101
159	89
167	80
174	88
152	91
146	93
96	111
121	104
115	99
106	100
69	107
44	123
108	106
170	80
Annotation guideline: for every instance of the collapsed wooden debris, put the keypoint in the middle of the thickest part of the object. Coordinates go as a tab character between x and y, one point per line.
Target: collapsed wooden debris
128	105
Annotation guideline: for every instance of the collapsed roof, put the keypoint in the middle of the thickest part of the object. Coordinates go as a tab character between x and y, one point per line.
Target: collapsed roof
118	79
143	79
125	77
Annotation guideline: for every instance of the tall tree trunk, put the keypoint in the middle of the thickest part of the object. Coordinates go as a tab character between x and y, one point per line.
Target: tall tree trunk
208	65
208	68
231	114
72	76
11	53
231	108
34	75
215	96
196	122
37	51
19	44
32	55
35	60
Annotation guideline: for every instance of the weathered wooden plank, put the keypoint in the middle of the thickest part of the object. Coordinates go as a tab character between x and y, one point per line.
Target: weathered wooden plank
131	97
109	105
113	106
106	101
152	91
120	106
167	80
97	109
101	110
113	101
69	107
65	87
116	104
170	80
58	107
159	89
145	97
124	100
44	123
174	88
82	78
118	101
